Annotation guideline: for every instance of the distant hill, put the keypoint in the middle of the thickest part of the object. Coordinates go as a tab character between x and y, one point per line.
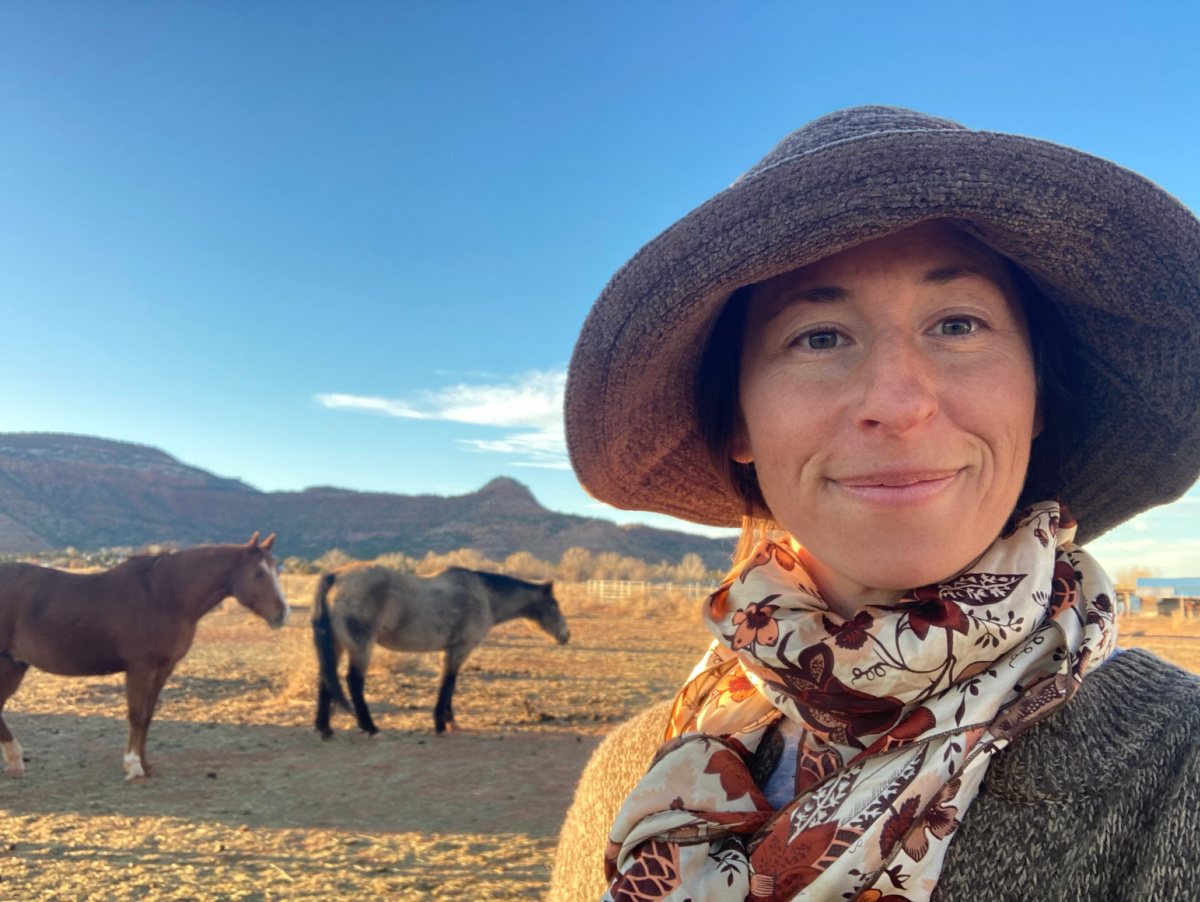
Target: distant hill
70	490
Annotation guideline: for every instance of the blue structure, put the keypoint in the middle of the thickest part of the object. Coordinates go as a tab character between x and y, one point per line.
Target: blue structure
1169	586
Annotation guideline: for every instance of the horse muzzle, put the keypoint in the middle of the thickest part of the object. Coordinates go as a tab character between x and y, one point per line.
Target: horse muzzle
279	619
564	637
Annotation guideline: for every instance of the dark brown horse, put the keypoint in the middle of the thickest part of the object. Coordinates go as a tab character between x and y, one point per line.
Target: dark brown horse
138	618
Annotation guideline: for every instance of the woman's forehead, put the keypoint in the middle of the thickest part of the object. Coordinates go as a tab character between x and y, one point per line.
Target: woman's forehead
932	252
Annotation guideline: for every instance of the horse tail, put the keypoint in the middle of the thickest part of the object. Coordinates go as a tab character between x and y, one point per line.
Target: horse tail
323	638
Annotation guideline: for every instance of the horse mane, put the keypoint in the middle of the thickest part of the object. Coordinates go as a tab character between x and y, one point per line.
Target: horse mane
140	563
144	561
497	582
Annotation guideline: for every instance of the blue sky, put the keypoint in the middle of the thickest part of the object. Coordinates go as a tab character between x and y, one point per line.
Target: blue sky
352	243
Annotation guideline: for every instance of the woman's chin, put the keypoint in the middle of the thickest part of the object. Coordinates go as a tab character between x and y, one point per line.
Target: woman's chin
897	542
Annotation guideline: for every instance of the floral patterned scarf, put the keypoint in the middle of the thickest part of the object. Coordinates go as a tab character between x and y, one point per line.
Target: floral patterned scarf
902	707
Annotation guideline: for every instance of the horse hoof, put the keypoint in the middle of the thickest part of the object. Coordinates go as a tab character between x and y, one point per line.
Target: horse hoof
14	758
326	735
135	768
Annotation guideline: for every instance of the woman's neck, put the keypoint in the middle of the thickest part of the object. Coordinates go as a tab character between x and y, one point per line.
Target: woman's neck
844	596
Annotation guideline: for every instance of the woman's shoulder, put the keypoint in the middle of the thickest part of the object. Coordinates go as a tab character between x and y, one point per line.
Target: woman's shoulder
1135	709
1140	667
1138	689
613	770
1105	795
645	730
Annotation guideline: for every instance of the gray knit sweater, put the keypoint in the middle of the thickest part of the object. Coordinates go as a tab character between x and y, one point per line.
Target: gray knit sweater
1100	802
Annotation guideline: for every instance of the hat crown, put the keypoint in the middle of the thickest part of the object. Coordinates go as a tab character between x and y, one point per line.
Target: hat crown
843	125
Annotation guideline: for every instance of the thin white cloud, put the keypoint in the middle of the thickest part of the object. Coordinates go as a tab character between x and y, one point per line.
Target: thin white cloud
660	521
532	403
540	449
1177	557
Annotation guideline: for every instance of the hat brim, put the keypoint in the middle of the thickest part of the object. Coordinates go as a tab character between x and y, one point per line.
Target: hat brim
1118	255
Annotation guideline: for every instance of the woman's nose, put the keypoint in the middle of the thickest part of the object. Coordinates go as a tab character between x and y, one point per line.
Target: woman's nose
897	389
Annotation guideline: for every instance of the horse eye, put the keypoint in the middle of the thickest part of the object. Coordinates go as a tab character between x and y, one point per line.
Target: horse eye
258	574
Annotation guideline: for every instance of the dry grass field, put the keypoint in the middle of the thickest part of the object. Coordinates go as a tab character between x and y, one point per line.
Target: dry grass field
248	803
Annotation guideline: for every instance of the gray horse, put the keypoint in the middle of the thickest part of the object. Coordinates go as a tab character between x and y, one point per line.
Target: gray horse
450	612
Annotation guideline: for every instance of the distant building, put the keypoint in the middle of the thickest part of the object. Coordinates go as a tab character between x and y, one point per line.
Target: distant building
1168	587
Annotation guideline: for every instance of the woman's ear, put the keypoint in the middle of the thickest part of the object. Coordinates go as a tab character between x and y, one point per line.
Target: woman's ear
739	443
739	448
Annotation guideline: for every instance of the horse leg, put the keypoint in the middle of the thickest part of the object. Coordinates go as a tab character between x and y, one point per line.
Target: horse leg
325	698
142	687
443	711
11	674
356	678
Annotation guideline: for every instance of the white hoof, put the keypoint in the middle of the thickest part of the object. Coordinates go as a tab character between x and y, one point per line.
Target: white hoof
14	758
133	767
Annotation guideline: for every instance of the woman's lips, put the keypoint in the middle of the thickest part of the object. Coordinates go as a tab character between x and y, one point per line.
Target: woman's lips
897	488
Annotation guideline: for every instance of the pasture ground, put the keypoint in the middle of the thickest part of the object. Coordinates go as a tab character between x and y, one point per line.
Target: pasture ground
248	803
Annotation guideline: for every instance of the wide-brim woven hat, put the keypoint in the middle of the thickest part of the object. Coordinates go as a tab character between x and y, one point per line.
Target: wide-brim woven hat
1118	255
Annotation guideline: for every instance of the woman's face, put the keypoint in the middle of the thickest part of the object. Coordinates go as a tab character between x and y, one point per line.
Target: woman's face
888	402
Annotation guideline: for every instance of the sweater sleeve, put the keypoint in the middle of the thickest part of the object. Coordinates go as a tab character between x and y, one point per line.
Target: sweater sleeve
614	769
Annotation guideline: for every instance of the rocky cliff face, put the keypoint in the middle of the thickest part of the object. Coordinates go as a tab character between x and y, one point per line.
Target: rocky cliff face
67	490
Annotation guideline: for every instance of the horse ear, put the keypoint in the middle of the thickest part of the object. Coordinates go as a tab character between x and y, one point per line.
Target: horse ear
266	546
253	539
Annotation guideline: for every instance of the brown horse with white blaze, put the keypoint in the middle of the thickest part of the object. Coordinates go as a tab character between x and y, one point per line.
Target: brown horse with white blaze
139	618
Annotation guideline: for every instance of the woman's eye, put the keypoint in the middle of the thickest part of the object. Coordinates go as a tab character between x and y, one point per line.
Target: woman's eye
821	341
958	326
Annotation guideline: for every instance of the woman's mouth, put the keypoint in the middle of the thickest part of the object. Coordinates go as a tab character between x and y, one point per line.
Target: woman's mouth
897	488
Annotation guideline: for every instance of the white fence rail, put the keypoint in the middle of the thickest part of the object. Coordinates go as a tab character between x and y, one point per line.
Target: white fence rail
616	589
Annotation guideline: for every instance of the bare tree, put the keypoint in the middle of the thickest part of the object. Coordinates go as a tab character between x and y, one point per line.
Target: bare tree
526	566
575	565
691	569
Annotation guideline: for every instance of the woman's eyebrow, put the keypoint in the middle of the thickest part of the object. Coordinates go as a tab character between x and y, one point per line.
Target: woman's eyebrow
944	274
821	295
824	294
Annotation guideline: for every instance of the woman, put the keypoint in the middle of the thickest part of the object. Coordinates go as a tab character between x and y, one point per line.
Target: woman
895	351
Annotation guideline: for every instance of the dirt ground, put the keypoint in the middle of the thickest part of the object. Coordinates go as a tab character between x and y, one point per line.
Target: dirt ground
248	803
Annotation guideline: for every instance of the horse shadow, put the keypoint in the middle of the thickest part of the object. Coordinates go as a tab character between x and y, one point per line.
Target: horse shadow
277	776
